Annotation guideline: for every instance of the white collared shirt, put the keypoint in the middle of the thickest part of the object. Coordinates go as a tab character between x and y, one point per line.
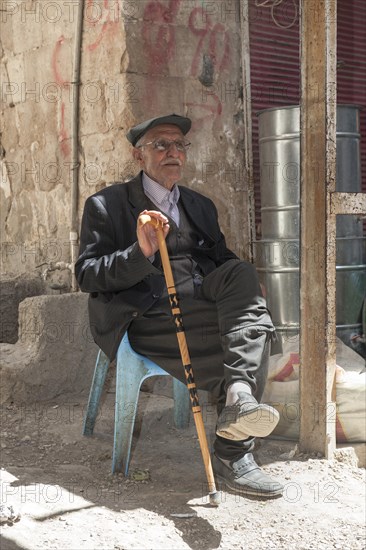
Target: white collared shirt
165	200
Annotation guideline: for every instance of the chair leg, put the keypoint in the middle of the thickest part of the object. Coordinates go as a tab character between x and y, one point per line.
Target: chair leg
181	404
100	372
130	374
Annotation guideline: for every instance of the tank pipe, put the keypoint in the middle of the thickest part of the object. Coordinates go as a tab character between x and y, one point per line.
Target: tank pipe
75	165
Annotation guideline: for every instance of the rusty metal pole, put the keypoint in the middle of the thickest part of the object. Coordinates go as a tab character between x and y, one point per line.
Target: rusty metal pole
74	224
318	229
249	233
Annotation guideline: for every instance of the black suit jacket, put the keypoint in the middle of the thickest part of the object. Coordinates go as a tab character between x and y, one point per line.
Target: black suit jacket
122	283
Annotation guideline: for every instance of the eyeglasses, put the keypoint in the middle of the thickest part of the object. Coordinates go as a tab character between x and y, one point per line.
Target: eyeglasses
164	144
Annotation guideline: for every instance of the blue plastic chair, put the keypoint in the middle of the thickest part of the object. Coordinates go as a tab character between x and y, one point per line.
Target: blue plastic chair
132	369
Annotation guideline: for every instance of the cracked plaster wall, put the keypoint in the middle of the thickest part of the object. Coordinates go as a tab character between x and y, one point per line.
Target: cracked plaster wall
139	59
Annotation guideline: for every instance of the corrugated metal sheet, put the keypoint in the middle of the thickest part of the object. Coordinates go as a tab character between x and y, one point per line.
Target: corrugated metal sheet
351	57
275	65
275	71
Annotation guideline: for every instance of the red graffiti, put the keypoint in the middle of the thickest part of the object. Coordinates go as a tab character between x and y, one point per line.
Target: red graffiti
63	136
211	38
109	25
204	111
55	62
217	34
158	33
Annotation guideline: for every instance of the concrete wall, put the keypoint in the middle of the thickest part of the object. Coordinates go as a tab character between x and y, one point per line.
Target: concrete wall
139	59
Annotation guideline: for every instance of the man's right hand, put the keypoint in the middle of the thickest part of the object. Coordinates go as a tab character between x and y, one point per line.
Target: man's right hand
146	234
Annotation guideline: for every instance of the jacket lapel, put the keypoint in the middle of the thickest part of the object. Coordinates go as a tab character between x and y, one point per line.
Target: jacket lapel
196	214
136	196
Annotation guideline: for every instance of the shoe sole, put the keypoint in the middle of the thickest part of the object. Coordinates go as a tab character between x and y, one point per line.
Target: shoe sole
247	491
258	422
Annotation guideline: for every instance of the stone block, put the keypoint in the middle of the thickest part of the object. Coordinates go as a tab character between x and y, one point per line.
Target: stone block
48	72
14	290
21	208
55	354
58	19
157	95
93	108
43	236
103	162
122	93
26	22
10	137
14	78
100	55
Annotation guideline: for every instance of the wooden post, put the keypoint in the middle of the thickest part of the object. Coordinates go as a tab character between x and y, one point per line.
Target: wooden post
318	229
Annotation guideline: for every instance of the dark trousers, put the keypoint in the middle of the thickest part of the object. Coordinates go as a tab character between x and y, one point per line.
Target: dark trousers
228	330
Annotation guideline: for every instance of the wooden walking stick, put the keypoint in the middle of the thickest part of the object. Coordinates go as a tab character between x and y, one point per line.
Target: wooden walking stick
214	495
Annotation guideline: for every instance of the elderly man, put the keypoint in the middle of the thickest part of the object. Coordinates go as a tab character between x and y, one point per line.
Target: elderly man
227	325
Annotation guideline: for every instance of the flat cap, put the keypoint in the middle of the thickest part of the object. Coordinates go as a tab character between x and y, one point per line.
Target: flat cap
135	133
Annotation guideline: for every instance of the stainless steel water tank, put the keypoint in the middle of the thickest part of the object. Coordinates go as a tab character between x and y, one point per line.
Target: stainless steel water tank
277	253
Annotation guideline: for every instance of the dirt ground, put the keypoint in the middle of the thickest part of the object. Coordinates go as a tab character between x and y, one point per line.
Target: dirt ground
61	484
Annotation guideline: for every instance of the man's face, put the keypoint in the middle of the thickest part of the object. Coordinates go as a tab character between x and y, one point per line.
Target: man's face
165	167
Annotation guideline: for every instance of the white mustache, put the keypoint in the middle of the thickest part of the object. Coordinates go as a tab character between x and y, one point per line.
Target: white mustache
173	161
